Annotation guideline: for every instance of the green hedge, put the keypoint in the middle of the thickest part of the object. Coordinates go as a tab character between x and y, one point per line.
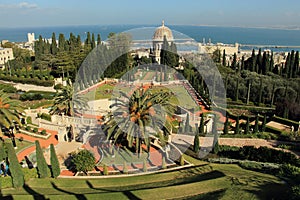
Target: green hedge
286	121
33	81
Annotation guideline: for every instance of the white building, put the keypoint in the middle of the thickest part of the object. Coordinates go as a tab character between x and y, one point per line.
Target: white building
158	38
6	54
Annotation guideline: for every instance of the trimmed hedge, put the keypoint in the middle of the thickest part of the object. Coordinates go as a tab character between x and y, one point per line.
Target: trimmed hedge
261	154
33	81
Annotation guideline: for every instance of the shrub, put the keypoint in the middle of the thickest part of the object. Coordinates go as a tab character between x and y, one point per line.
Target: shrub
58	86
164	165
46	116
35	130
84	161
41	162
27	128
28	120
29	173
14	167
125	168
55	169
44	132
181	162
105	170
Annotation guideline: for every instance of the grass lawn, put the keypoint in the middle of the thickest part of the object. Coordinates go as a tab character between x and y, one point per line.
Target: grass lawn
21	145
216	181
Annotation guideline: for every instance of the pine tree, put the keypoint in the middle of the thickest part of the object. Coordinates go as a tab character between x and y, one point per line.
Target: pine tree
42	166
14	167
226	126
237	125
55	169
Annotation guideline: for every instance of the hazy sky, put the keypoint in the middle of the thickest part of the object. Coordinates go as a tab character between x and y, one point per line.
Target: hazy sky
251	13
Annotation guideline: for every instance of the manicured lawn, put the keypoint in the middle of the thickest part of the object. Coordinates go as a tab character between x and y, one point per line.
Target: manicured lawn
21	145
216	181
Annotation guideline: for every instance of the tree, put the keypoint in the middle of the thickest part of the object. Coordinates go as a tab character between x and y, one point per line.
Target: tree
263	126
125	168
226	125
256	124
42	166
247	127
224	58
65	101
14	167
237	125
260	91
181	160
93	42
196	143
163	163
201	126
98	39
187	127
236	96
105	169
10	110
61	42
53	46
145	166
55	168
234	62
84	161
134	113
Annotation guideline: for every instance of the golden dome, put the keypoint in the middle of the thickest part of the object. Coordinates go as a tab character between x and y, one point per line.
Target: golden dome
162	31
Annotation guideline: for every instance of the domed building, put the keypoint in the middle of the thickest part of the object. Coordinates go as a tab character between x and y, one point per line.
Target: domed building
158	38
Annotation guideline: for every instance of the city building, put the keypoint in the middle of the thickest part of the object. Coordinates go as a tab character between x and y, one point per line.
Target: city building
210	48
6	54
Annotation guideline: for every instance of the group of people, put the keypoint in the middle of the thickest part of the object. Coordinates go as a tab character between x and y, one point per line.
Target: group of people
4	168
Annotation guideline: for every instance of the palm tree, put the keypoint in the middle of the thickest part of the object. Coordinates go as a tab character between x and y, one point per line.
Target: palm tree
66	100
10	110
136	118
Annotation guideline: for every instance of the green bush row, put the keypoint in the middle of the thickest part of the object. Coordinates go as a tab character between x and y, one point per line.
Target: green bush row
33	81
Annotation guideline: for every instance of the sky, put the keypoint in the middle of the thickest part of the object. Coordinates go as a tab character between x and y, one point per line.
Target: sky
251	13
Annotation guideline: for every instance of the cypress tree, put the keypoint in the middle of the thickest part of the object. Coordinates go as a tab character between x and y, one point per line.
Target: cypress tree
287	66
247	128
258	62
98	39
256	124
236	97
292	64
61	42
53	46
260	92
296	65
224	58
3	154
234	62
216	143
125	168
271	62
42	166
181	160
187	128
163	163
253	59
264	67
14	167
248	91
93	42
242	64
196	143
201	126
237	125
226	125
263	126
55	169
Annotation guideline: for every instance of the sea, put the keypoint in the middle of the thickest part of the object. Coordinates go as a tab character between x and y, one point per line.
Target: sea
258	37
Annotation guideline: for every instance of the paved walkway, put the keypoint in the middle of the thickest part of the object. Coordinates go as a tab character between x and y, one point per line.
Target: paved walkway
45	143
